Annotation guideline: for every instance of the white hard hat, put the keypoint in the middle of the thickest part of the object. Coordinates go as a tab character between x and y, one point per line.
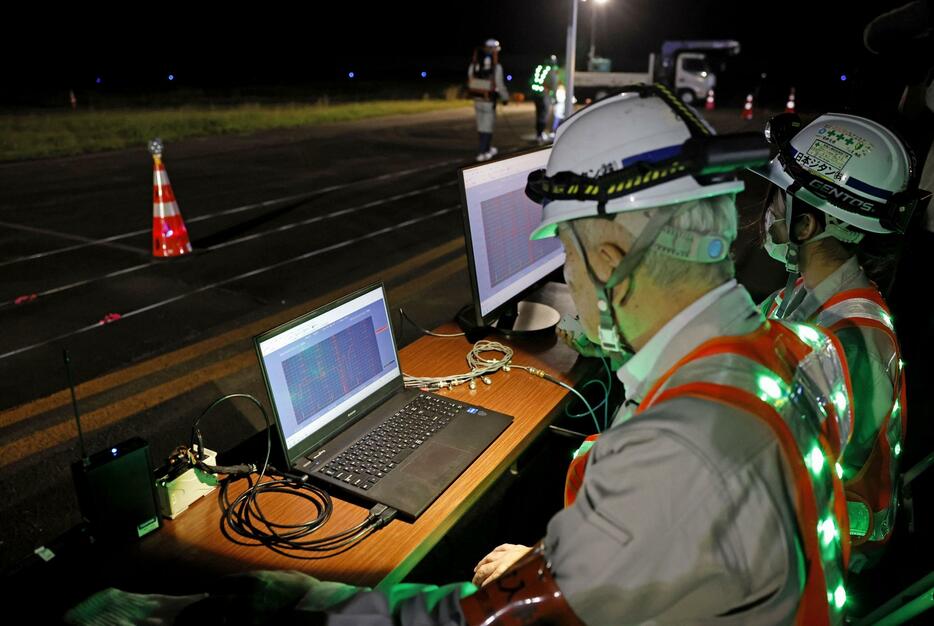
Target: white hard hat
640	149
850	167
492	43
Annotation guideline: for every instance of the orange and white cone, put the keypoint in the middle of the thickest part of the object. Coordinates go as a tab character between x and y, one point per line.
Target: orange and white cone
710	106
790	105
169	235
747	108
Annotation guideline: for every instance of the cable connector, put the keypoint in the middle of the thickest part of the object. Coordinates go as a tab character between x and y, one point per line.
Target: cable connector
382	515
536	372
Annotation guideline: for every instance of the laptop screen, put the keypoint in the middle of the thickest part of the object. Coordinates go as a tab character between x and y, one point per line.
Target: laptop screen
322	365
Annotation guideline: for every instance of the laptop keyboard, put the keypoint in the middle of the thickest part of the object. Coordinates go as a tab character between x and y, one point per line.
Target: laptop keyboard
376	453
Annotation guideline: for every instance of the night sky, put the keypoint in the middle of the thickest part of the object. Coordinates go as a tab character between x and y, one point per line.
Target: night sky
806	44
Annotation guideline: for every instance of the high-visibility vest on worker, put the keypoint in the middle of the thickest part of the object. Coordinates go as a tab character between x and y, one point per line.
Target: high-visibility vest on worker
861	320
544	80
793	378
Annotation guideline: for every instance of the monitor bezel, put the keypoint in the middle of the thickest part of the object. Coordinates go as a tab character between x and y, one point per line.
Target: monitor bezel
353	414
493	315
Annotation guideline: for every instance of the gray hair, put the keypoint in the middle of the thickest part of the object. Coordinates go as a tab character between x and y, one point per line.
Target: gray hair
706	216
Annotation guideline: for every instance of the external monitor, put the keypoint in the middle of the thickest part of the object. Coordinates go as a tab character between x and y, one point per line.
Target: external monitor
504	264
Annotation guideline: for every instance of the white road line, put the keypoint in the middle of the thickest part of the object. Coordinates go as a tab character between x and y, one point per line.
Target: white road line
200	218
220	283
239	240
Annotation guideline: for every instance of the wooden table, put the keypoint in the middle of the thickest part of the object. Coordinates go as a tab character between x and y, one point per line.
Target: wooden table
194	539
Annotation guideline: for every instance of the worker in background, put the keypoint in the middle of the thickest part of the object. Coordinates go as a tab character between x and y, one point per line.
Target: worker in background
486	85
711	500
843	191
543	88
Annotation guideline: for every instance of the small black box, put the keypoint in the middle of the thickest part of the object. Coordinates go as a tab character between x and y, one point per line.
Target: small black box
116	492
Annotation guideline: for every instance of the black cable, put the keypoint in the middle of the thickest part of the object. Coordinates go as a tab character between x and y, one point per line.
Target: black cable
243	521
405	316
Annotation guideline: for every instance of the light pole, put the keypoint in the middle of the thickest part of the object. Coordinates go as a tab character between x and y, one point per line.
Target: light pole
571	52
570	61
593	29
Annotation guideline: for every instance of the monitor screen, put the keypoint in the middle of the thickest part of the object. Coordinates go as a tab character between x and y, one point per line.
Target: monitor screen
498	219
322	365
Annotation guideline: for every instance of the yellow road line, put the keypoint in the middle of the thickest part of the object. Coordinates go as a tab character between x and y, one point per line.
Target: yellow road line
58	434
115	379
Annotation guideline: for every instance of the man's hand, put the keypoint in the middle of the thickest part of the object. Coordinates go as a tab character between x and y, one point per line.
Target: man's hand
493	565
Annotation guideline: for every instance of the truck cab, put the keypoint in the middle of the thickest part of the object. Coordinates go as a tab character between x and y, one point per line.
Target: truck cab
693	77
684	66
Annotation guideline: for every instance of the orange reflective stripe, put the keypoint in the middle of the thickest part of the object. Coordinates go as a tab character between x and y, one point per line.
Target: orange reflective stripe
873	484
864	322
758	346
863	292
575	475
813	607
831	424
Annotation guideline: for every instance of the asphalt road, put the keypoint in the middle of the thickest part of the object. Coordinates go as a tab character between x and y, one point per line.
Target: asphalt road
280	221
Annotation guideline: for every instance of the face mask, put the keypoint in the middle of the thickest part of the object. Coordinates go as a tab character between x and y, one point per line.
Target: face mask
778	251
781	252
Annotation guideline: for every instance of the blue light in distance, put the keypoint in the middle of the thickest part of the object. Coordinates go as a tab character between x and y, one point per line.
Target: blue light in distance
171	76
350	74
113	451
424	74
98	80
508	77
843	77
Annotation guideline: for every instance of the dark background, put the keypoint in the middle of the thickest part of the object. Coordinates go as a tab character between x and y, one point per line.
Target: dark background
225	53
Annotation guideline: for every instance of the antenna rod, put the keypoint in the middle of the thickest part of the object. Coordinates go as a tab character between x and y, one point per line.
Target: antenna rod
74	404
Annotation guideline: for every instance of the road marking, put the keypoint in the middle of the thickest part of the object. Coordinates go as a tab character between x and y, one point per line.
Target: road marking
259	235
54	233
220	283
107	382
41	440
200	218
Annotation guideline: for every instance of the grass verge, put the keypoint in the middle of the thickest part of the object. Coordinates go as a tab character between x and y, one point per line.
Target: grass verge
33	136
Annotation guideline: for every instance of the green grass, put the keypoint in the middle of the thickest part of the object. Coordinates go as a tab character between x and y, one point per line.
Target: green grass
32	136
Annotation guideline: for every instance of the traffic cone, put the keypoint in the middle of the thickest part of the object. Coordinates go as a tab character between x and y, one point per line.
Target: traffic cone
790	105
169	235
747	108
710	103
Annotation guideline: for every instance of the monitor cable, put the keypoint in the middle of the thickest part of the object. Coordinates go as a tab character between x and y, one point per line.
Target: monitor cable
403	316
481	367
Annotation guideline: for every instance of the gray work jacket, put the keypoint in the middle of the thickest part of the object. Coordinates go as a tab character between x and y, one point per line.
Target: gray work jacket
686	513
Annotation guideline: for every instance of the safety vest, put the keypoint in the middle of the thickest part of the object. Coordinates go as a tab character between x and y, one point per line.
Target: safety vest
793	378
537	81
871	492
482	79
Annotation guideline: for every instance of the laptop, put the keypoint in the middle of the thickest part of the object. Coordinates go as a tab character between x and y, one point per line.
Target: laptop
345	418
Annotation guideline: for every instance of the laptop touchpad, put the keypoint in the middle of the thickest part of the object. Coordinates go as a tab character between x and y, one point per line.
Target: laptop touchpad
437	463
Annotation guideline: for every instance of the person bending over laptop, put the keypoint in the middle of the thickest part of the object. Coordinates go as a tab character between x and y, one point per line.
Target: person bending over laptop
709	499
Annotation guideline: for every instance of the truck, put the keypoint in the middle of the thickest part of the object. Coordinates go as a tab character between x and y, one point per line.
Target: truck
684	66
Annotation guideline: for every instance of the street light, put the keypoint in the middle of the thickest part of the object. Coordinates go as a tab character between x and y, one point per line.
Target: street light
571	55
593	29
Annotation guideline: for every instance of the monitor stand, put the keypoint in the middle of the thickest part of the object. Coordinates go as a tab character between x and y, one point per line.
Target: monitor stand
527	317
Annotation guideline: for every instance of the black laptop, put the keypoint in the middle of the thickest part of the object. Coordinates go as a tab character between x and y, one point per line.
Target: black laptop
345	418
